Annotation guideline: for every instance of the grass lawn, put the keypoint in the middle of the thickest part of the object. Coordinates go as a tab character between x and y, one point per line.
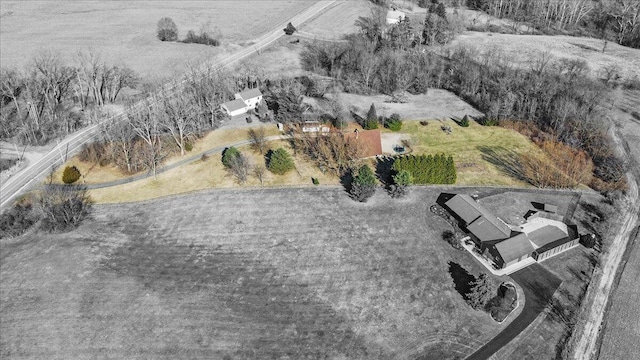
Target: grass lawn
242	274
484	155
125	31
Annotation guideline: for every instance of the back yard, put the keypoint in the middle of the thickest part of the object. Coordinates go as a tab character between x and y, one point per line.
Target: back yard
242	274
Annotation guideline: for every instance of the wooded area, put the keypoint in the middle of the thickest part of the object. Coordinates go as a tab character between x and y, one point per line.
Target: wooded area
554	98
51	98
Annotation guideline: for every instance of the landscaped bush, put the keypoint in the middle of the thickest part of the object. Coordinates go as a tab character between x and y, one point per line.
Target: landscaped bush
315	181
401	181
427	169
280	162
502	304
228	155
394	123
70	175
363	185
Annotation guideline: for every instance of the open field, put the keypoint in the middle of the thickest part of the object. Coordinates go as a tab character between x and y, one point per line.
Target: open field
242	274
525	49
337	21
125	31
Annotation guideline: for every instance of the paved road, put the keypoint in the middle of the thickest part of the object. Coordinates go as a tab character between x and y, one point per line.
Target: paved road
538	285
21	181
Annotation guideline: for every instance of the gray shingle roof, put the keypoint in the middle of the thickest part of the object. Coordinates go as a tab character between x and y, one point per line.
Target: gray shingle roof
250	94
234	105
514	248
546	235
481	222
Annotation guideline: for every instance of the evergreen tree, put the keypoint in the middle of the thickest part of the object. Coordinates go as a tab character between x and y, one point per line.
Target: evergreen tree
480	292
280	162
363	185
372	119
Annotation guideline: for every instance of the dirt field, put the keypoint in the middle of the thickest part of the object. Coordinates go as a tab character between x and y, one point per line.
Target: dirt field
291	273
124	31
526	48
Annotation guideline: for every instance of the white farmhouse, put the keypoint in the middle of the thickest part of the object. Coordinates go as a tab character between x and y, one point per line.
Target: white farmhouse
244	101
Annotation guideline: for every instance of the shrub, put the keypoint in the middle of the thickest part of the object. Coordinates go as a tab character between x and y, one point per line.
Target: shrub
588	240
487	121
363	185
167	30
290	29
427	169
315	181
424	123
70	175
401	181
17	220
6	164
394	123
188	147
280	162
228	155
63	208
464	122
203	38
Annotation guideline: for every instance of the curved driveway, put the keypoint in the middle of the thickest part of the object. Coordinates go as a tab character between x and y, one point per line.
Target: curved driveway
19	182
538	285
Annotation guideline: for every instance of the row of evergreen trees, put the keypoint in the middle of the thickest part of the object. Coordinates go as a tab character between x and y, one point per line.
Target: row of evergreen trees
427	169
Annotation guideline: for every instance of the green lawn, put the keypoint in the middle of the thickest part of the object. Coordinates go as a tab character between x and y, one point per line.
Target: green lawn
242	274
484	155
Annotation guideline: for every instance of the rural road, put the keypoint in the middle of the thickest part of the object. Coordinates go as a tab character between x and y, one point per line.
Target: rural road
21	181
587	333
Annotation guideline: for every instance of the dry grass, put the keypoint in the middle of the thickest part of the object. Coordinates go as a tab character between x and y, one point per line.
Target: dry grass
337	21
200	175
124	31
302	273
282	58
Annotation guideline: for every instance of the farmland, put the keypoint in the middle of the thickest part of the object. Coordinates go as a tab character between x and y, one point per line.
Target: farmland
124	32
242	274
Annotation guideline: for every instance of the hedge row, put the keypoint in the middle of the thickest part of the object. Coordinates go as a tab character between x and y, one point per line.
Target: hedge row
427	169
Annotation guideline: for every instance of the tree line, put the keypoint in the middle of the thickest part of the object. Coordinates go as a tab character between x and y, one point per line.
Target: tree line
614	20
51	98
164	123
